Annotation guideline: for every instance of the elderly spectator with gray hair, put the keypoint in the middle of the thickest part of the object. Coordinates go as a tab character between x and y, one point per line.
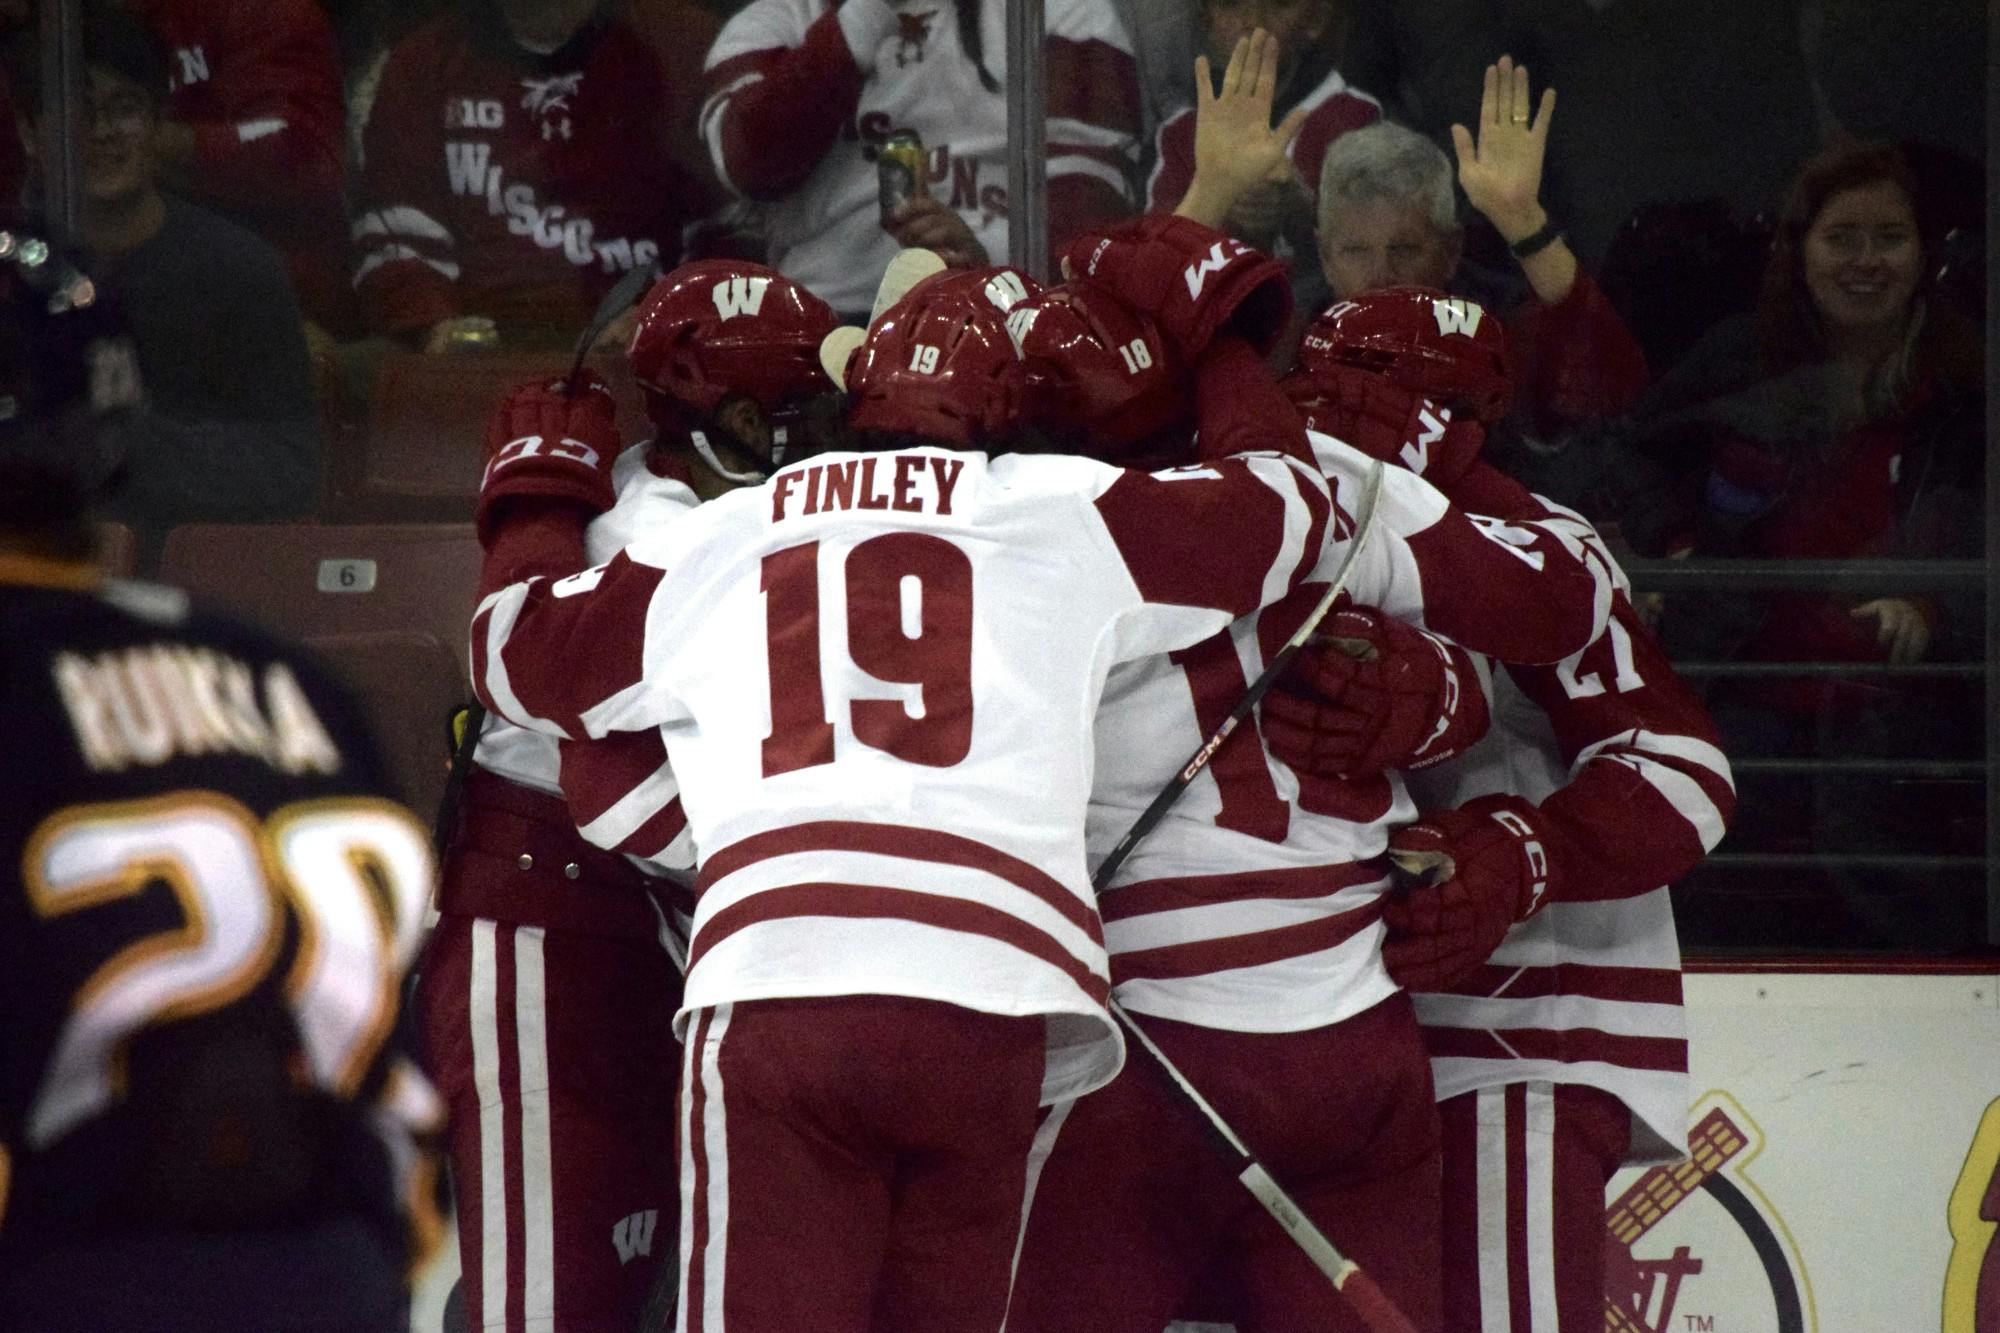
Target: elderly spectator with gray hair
1388	217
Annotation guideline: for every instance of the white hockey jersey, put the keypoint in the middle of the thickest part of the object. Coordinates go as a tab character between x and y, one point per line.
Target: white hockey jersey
1624	763
1252	906
640	815
877	675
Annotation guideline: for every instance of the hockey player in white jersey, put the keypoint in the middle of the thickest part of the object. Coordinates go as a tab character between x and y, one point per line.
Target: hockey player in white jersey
1246	927
1544	953
547	1000
876	676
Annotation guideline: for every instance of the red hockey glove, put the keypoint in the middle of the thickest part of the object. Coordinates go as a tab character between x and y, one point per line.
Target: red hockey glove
1369	693
545	442
1488	864
1387	421
1191	279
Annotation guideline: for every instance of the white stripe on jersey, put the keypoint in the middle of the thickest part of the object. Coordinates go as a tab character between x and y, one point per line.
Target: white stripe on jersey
1539	1162
538	1205
690	1065
633	809
1230	918
935	878
1038	1157
401	220
1072	133
492	1142
505	607
715	1149
1075	164
388	254
1490	1177
1556	1013
1672	747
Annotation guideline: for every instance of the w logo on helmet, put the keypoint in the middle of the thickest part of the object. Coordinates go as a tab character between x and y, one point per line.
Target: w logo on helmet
1019	321
1006	289
740	296
1457	316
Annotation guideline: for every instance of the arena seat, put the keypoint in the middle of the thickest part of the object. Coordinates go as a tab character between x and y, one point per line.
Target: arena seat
416	454
387	606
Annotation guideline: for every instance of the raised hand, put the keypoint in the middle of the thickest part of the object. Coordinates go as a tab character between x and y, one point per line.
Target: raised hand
1501	170
1235	144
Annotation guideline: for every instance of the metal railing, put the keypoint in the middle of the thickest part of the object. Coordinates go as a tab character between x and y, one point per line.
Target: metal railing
1853	578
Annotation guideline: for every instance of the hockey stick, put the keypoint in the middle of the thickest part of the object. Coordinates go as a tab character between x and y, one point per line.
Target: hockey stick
1375	1310
1378	1314
624	294
1364	522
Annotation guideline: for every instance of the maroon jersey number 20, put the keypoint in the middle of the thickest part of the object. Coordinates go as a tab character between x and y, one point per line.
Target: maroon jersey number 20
885	575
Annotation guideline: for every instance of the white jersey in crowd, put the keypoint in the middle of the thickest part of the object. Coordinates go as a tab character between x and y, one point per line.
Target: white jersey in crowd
648	500
877	675
1252	906
827	233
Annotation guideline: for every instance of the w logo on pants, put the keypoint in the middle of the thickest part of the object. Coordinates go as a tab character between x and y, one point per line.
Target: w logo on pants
634	1235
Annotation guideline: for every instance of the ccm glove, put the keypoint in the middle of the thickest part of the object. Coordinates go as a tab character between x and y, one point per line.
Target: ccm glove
1478	870
1369	693
1192	280
547	443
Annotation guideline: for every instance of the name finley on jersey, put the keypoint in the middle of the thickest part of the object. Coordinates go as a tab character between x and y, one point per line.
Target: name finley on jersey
893	481
149	704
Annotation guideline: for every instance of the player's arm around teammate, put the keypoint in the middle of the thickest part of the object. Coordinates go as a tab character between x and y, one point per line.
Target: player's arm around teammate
1542	941
548	999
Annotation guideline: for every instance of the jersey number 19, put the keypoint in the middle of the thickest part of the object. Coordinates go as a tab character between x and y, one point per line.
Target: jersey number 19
909	622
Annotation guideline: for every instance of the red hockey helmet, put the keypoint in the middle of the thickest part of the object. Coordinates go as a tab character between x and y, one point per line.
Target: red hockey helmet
1450	350
1105	373
941	363
722	328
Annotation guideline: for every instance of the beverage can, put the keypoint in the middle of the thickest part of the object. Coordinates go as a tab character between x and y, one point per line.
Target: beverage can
471	333
899	170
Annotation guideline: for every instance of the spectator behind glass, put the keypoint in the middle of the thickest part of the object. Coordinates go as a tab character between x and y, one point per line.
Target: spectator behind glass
802	93
230	433
1843	420
1388	218
252	128
517	164
1276	214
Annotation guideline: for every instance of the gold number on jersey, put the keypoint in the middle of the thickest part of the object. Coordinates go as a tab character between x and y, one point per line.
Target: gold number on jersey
356	872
